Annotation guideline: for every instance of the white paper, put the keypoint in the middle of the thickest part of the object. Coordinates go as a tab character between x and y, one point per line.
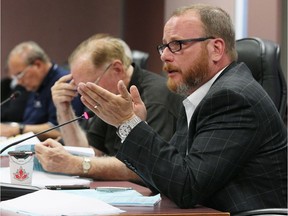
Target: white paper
118	198
6	142
54	203
81	151
42	179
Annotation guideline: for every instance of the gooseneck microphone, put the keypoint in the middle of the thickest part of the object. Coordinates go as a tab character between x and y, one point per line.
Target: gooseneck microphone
85	115
13	96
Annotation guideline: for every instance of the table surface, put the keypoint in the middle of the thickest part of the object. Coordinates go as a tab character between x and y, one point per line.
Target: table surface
164	207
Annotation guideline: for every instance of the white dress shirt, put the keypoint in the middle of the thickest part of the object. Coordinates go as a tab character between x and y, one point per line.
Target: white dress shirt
192	101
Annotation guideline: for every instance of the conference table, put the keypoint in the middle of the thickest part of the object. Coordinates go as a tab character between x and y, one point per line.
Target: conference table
164	208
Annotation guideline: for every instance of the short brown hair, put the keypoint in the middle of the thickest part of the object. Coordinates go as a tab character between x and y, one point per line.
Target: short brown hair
216	23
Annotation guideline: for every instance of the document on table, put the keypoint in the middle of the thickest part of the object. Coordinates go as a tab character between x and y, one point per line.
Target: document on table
42	179
8	141
118	198
28	145
53	203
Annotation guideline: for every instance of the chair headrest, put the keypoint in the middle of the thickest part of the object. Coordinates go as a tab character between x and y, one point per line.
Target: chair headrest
263	59
261	56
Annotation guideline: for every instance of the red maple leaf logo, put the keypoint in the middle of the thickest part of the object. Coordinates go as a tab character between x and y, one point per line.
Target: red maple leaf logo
21	174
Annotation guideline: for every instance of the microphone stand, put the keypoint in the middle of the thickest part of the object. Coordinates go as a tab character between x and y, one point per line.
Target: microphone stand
85	115
12	97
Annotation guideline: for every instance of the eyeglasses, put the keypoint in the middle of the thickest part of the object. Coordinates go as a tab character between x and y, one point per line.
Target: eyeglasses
100	77
21	74
176	45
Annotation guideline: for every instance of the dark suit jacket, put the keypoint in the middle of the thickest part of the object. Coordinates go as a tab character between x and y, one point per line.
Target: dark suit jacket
233	157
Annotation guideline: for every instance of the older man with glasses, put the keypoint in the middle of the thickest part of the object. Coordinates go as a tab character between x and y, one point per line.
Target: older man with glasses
30	67
104	60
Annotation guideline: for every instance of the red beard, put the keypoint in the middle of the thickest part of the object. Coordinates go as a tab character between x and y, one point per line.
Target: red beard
193	78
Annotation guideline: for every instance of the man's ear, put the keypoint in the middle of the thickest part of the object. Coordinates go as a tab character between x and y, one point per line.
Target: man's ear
117	65
38	63
218	49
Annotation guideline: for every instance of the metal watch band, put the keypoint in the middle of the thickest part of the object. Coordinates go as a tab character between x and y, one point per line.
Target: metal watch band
124	129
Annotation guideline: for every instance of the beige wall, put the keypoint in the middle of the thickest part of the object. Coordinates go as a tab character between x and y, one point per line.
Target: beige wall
227	5
264	16
60	25
57	25
266	19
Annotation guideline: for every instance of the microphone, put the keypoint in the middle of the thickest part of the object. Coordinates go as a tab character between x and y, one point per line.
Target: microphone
13	96
85	115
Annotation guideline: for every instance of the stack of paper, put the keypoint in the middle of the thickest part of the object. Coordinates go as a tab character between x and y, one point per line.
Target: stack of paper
47	202
6	142
118	198
42	179
28	145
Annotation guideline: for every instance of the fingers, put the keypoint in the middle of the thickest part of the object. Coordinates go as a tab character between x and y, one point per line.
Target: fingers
93	95
138	104
49	143
123	90
64	81
65	78
111	108
63	91
86	97
135	95
100	93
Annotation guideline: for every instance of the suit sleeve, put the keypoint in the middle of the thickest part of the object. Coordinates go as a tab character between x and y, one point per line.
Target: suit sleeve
222	134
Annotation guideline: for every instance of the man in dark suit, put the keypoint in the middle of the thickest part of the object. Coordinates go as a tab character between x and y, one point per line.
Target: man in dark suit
229	151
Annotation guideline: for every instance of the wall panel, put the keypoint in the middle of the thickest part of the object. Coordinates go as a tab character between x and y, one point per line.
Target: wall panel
57	25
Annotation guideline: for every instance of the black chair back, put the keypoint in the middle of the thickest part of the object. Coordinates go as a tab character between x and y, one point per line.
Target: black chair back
264	212
263	59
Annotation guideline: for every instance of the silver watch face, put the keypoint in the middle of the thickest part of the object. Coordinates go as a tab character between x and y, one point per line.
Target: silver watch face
86	165
124	130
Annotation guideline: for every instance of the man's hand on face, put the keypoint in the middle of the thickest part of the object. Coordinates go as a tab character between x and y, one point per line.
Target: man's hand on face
63	92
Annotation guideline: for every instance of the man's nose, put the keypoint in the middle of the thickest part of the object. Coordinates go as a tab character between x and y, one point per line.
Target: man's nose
167	55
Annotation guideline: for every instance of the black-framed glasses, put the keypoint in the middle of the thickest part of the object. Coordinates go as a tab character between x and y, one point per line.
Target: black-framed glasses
100	77
176	45
21	74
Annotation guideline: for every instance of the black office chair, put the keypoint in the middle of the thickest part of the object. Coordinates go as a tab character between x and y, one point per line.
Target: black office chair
263	59
264	212
140	58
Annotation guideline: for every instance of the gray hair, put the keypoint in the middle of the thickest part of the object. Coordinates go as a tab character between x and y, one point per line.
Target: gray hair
102	49
30	51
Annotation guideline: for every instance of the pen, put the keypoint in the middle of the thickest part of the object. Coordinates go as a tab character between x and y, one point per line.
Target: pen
67	187
113	189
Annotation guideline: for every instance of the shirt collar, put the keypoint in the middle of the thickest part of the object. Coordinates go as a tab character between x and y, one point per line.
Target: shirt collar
46	80
192	101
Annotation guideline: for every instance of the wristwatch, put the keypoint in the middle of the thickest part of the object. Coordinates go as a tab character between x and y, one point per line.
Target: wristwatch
124	129
86	164
21	128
